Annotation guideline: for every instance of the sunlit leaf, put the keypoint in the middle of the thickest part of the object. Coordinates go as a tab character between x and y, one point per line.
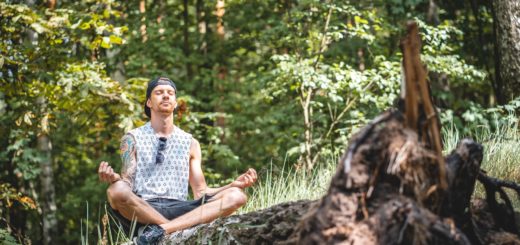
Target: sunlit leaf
115	39
105	43
38	27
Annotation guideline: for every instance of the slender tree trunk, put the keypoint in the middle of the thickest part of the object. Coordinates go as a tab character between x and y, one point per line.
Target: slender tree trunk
202	20
498	86
186	48
51	4
305	102
432	16
203	28
48	201
222	69
507	41
142	29
118	74
46	178
220	22
483	54
306	96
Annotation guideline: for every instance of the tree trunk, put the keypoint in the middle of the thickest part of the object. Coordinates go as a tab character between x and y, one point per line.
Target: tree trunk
50	222
51	4
47	179
222	69
305	102
142	29
48	200
507	22
186	39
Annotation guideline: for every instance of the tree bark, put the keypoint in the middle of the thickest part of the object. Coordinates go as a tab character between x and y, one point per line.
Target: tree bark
48	203
50	222
507	22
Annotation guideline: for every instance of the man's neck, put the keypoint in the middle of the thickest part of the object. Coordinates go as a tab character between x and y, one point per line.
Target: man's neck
162	125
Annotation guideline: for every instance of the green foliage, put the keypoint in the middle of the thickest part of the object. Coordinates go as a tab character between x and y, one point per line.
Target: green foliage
6	238
243	88
477	119
51	86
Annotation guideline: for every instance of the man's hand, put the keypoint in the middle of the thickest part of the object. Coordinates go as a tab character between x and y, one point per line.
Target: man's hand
107	174
245	180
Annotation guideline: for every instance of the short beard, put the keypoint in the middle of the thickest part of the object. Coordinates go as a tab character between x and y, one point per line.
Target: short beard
166	111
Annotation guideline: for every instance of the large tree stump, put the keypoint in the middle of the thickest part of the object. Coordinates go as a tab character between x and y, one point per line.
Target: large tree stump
385	190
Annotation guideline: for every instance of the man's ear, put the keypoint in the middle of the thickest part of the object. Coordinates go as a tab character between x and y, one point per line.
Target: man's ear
149	103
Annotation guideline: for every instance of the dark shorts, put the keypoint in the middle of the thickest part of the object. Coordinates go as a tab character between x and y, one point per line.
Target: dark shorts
169	208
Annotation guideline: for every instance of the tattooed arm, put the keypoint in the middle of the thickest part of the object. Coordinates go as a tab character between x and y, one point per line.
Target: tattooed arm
128	157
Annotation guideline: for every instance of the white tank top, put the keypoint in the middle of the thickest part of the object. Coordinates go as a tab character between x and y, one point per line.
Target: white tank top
168	179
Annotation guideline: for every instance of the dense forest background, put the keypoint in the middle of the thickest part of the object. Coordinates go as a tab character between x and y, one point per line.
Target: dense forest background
267	83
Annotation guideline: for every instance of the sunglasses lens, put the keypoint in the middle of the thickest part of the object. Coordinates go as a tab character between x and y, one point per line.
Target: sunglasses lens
159	158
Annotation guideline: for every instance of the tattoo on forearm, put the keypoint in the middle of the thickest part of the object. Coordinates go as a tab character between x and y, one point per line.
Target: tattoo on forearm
128	154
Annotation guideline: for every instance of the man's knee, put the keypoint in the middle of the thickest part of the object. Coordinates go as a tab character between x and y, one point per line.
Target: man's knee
118	193
235	198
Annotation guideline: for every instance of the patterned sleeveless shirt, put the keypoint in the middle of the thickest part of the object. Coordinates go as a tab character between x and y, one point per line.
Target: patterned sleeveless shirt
168	179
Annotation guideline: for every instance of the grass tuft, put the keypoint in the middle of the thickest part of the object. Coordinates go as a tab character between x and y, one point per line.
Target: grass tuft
501	152
289	184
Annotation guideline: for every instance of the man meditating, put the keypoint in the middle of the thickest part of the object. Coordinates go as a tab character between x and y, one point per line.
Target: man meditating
159	160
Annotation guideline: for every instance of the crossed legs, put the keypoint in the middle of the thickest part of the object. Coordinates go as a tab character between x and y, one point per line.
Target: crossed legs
122	199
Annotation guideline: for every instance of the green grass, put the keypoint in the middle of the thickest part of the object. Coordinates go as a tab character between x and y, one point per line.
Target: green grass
289	184
110	232
501	160
501	153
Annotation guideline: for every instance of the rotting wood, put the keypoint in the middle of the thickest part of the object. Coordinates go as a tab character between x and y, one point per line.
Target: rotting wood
417	95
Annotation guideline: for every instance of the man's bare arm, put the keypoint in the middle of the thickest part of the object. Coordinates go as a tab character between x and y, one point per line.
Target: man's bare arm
198	183
128	157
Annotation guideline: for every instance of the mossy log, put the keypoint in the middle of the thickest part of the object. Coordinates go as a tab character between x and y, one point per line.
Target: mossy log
268	226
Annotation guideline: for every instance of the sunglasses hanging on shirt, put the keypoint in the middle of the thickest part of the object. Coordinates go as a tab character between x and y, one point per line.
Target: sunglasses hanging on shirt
159	158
